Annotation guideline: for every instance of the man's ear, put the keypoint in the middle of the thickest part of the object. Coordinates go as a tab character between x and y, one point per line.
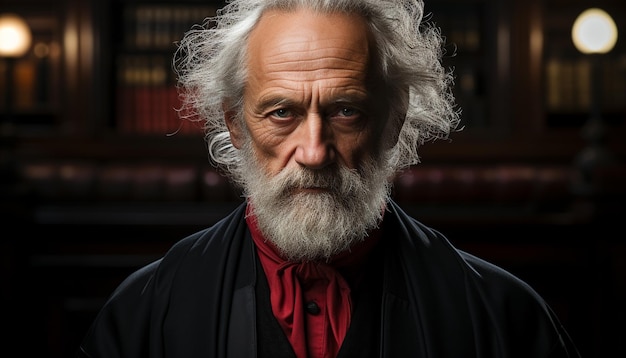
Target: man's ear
234	125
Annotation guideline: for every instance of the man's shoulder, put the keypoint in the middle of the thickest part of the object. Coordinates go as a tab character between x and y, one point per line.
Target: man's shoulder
499	283
421	245
218	234
206	247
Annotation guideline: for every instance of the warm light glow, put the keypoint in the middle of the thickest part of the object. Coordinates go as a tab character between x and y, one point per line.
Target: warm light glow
594	31
15	36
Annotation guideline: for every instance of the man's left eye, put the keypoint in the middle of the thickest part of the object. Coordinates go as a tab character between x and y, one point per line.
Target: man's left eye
347	116
347	112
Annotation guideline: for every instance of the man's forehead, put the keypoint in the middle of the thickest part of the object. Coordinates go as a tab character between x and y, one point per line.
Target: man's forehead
309	35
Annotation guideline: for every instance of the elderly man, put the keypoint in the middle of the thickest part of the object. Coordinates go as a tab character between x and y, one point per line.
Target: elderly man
312	106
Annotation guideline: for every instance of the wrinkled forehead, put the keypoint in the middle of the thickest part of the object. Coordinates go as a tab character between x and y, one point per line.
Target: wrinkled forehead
310	38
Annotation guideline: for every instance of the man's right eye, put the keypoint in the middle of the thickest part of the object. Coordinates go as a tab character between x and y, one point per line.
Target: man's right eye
282	113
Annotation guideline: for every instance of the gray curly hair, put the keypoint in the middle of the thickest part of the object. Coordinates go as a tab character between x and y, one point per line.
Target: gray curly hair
210	63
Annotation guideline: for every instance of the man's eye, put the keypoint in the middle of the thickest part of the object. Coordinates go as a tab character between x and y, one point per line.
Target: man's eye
281	113
347	112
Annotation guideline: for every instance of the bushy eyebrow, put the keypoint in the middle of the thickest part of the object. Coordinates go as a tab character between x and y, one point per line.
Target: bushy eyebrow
281	101
360	99
275	101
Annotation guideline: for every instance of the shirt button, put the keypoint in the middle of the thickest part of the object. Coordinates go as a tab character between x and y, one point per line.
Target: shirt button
312	308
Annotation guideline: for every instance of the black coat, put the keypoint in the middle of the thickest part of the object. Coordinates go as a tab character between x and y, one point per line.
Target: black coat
199	301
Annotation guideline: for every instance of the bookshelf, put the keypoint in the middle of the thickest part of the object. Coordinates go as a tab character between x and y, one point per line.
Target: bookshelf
519	81
471	51
144	92
567	72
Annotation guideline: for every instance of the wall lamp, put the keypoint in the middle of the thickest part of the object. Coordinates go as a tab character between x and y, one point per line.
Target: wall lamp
594	33
15	39
15	36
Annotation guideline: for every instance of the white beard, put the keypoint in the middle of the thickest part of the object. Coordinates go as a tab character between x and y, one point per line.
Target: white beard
307	226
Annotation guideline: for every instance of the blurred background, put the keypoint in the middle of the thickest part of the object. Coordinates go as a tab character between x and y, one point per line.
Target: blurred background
99	176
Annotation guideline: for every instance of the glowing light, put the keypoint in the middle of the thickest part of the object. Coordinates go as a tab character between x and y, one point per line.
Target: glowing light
15	36
594	31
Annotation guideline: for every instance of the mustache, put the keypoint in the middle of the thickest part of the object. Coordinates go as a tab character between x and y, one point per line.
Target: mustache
336	178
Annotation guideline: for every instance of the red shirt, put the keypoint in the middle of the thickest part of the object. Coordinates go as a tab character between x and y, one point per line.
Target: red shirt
311	300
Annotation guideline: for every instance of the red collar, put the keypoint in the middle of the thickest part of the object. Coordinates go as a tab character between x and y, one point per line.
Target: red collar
294	285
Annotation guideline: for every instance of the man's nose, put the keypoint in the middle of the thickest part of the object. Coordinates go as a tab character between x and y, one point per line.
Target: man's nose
315	149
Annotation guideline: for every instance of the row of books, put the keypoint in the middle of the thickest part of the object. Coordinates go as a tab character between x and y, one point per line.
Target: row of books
513	184
421	184
160	26
82	181
462	28
147	102
568	84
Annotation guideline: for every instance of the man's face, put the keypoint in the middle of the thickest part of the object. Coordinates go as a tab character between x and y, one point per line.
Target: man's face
310	99
311	159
